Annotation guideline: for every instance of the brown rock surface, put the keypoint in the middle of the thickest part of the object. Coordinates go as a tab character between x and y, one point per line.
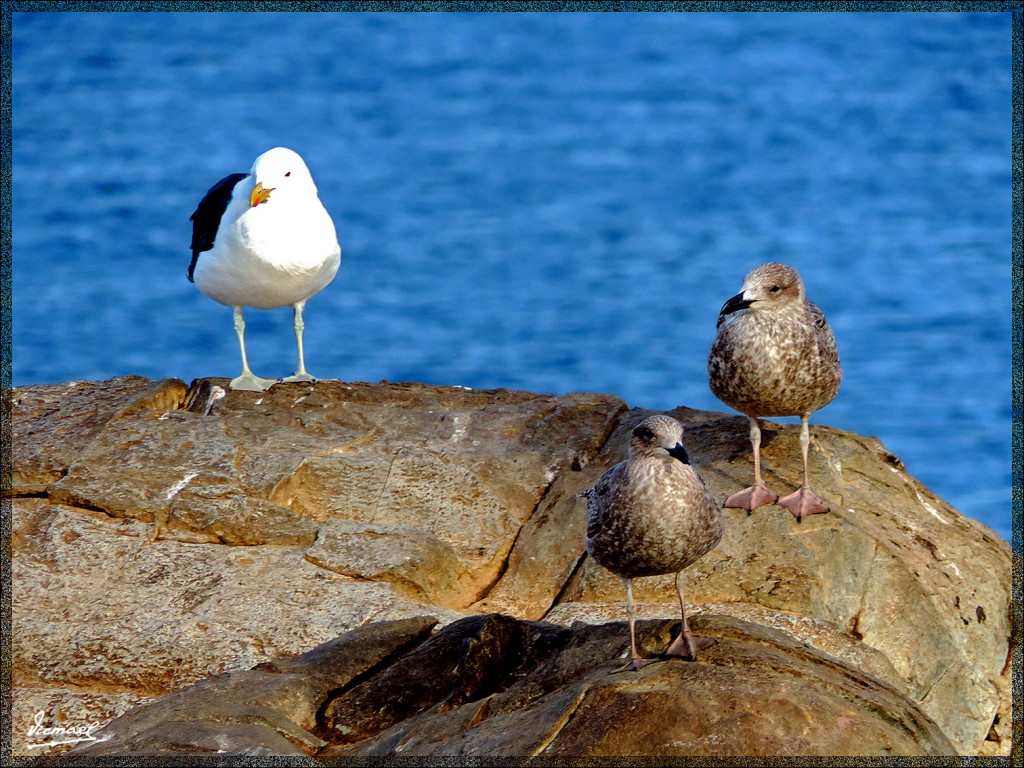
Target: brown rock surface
155	545
492	686
51	423
271	708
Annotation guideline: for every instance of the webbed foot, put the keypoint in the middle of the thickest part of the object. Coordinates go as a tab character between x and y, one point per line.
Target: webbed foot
803	503
687	644
298	377
249	382
751	498
633	665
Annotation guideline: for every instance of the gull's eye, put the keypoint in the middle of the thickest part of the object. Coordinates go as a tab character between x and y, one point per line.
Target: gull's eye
288	174
644	433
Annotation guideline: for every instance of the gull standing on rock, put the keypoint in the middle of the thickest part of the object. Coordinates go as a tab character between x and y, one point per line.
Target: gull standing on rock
774	355
266	241
651	514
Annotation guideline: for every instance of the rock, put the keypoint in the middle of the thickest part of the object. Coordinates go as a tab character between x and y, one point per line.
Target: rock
53	422
491	686
97	606
813	632
410	559
166	494
271	707
157	542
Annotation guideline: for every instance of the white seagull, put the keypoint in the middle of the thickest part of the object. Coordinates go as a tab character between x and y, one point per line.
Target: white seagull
266	241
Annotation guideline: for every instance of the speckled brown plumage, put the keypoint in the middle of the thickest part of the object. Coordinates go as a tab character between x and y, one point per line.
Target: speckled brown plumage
652	514
774	355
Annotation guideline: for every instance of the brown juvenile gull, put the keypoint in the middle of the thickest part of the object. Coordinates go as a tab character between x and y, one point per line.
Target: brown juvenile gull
774	355
651	514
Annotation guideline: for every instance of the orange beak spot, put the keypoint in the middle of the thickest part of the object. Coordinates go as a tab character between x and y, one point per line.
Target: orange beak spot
260	194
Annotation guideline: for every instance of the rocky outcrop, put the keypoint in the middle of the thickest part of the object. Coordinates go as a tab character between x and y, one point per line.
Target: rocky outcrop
160	538
492	685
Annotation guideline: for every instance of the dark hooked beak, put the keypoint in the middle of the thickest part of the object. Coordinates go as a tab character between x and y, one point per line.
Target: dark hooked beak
679	453
735	304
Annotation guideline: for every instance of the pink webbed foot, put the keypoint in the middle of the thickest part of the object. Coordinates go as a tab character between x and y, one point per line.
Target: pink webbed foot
751	498
633	665
687	644
803	503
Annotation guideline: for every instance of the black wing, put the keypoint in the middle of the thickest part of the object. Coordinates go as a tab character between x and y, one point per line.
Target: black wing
206	218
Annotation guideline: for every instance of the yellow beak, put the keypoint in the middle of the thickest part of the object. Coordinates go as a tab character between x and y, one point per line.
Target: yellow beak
260	194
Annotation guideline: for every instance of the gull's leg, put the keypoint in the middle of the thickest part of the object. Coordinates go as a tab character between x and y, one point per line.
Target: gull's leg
687	643
300	373
247	380
758	494
635	662
804	502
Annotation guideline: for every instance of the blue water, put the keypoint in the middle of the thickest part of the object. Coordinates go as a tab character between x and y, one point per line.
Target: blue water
552	202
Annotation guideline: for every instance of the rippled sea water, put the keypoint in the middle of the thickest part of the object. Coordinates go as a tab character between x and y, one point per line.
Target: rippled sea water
551	202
